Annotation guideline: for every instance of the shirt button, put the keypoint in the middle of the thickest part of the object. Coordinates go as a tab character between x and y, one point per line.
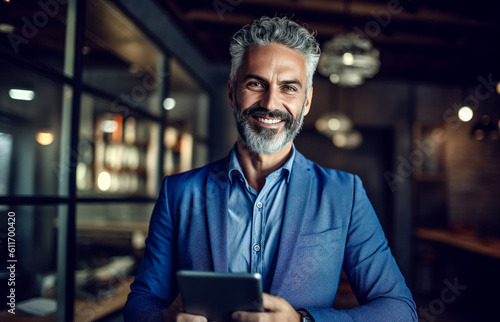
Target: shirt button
259	204
256	248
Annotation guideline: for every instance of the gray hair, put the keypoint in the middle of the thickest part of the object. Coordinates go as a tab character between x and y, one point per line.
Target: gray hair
275	30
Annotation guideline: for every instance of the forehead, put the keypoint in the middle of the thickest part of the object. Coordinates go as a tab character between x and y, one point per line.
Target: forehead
273	60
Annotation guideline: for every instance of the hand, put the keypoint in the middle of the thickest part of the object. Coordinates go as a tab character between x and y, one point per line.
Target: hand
277	309
175	313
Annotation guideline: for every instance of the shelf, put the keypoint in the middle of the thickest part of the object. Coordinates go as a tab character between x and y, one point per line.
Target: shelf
112	226
480	245
84	310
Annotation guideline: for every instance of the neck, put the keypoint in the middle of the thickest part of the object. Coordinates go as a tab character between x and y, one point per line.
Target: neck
256	167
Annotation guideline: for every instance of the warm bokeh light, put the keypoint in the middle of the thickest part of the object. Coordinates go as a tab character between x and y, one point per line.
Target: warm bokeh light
169	103
334	78
498	88
321	124
465	114
109	126
347	140
6	28
354	139
129	130
340	140
21	94
170	137
117	135
104	181
348	59
334	124
44	137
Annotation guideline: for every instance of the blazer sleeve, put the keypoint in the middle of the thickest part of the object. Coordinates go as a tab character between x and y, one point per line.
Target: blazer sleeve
372	271
154	287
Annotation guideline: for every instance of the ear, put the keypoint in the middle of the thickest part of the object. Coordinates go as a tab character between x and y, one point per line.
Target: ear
230	94
309	98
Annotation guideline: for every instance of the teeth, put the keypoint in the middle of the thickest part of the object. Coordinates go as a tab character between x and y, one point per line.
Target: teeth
268	121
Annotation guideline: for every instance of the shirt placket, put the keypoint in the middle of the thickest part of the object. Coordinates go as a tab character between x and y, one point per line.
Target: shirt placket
259	224
257	232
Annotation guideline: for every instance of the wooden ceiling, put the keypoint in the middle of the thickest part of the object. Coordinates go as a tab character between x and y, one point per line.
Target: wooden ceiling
445	41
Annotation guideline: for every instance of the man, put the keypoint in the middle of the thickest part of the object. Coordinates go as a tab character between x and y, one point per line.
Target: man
267	209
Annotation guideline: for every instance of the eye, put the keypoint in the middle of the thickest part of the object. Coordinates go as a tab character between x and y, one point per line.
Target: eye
255	85
289	88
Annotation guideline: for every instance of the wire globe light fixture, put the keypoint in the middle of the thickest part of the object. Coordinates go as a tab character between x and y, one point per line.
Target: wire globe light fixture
348	59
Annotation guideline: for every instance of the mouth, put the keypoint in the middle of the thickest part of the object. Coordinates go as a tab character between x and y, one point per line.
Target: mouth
268	121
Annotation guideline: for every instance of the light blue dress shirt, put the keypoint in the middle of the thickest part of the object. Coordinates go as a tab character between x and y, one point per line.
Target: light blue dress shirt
254	220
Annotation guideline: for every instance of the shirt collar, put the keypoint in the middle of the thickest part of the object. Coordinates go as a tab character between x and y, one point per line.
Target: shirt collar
234	165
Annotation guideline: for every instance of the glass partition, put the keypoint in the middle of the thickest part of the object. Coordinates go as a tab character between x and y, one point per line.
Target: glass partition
188	102
120	59
188	122
35	30
28	250
107	177
30	133
118	152
110	241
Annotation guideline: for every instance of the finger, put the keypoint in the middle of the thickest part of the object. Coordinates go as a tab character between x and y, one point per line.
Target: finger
177	303
185	317
178	299
272	303
241	316
170	314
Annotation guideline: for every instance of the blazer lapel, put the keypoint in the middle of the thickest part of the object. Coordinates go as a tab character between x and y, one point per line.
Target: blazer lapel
296	206
217	195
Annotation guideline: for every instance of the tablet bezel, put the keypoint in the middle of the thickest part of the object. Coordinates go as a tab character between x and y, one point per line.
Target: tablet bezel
217	295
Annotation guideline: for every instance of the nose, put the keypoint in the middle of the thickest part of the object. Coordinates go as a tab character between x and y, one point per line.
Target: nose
270	99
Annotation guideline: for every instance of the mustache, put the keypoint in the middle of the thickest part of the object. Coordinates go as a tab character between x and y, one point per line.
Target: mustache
262	112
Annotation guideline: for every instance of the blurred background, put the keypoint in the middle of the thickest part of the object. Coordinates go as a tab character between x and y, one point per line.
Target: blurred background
101	99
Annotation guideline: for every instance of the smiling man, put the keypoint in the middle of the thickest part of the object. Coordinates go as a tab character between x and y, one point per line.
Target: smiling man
267	209
269	99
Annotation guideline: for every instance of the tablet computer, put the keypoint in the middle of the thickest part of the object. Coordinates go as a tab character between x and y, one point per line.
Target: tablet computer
217	295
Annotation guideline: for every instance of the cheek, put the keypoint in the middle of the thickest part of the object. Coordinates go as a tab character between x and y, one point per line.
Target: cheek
294	105
247	99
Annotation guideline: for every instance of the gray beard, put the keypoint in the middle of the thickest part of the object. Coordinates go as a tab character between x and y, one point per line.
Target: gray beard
263	140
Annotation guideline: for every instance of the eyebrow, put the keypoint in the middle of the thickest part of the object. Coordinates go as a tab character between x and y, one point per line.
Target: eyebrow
262	79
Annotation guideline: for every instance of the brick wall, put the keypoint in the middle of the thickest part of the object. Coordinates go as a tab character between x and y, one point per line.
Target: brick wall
473	177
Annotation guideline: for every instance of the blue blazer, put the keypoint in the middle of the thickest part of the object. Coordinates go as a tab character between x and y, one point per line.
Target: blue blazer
328	224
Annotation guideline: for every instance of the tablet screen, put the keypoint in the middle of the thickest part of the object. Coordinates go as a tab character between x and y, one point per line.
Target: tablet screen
217	295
